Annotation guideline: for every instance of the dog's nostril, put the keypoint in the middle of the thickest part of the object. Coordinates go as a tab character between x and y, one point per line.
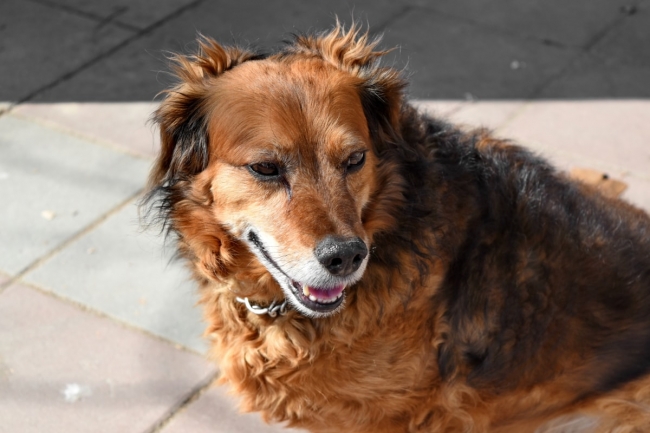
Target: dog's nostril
341	256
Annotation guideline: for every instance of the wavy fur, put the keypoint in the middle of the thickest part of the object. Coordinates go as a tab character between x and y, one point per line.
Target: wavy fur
499	296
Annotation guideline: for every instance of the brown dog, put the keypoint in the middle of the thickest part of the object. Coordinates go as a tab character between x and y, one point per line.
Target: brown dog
365	268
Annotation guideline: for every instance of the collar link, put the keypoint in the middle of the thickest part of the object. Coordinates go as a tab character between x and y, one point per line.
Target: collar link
273	310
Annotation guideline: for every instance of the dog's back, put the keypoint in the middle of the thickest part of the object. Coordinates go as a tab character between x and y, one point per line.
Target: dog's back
549	290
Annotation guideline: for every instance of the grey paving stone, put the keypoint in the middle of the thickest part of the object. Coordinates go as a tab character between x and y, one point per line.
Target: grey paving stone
572	23
594	76
66	370
451	59
628	41
216	412
39	44
139	71
140	14
123	272
53	185
618	66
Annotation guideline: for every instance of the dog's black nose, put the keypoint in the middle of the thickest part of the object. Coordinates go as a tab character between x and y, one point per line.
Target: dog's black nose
341	256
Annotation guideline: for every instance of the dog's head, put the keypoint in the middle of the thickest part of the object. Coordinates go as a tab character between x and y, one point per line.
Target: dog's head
279	156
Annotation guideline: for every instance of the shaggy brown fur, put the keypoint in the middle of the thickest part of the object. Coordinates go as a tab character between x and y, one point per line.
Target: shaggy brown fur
497	294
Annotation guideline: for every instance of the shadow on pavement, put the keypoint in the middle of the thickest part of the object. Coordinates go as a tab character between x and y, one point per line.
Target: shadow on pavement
78	51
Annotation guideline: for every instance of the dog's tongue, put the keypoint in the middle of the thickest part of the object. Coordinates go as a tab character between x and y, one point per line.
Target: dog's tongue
320	293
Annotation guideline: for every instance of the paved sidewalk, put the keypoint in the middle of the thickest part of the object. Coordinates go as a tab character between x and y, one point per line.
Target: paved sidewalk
99	331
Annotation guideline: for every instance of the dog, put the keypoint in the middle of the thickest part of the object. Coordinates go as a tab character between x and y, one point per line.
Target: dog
366	268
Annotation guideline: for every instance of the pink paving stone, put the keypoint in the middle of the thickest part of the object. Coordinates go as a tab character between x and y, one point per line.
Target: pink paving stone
613	132
215	412
638	192
437	107
485	114
122	125
66	370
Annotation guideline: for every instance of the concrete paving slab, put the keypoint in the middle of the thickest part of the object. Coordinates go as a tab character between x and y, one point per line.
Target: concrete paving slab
123	125
39	44
66	370
140	14
628	41
593	76
438	107
215	412
139	71
556	21
637	192
485	114
123	272
53	185
452	59
613	132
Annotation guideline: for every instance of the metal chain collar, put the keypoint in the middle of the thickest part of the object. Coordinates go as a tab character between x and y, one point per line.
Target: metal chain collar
272	310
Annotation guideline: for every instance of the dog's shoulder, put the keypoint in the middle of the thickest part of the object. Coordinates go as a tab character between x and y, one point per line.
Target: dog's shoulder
548	275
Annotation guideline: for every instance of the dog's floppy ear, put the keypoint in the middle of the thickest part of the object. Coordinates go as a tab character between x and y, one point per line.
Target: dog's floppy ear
181	115
174	197
380	88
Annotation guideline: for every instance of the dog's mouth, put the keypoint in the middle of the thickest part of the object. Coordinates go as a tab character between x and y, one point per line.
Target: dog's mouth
313	301
320	299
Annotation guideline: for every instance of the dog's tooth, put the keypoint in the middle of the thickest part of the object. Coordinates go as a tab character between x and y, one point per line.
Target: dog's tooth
312	298
339	295
305	290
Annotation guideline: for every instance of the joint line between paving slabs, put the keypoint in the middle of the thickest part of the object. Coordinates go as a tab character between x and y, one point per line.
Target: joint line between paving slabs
584	52
383	26
65	77
116	320
63	245
89	15
190	398
64	129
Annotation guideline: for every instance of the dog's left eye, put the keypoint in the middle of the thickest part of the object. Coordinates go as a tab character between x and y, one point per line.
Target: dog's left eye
266	170
355	161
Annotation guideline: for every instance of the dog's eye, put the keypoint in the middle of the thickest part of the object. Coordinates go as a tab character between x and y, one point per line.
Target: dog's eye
266	170
355	161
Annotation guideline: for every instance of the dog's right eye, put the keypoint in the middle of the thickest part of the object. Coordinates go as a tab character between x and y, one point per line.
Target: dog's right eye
266	170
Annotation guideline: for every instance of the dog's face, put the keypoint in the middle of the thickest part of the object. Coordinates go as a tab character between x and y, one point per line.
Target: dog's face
282	148
292	169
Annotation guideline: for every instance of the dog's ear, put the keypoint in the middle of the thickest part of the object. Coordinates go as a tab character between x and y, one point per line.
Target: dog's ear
380	88
176	197
181	116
